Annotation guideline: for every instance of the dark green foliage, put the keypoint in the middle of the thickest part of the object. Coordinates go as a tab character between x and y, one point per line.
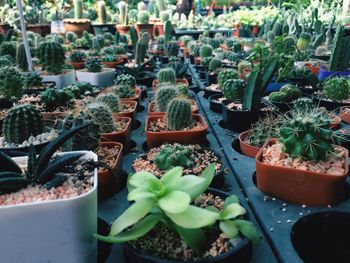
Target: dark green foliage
51	54
32	80
21	58
340	56
8	48
304	76
5	61
206	61
77	56
287	93
111	101
214	43
166	75
303	103
225	75
336	88
125	79
101	114
164	95
205	51
214	65
179	67
11	82
71	37
124	91
172	156
21	122
93	64
233	89
179	114
78	89
172	48
237	47
53	98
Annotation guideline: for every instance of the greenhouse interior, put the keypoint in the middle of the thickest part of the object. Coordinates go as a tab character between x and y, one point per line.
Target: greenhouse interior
166	131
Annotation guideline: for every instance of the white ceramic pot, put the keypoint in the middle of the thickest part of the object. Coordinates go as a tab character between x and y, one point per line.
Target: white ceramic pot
99	79
61	81
53	231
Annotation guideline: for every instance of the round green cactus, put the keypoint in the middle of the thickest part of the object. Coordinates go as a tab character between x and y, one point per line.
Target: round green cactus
101	114
233	89
171	156
336	89
11	82
71	37
143	17
214	65
93	64
21	122
179	114
8	48
111	100
51	54
205	51
124	91
125	79
166	75
172	49
214	43
303	41
164	95
287	93
225	75
303	103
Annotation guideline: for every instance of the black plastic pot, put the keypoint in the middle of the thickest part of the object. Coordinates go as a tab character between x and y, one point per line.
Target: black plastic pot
242	253
164	59
283	106
103	28
145	78
203	75
214	105
5	103
329	105
307	90
189	78
192	59
209	92
212	78
103	248
195	88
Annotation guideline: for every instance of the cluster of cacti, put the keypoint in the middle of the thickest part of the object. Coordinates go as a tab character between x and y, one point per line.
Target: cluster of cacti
172	48
122	7
78	9
124	91
125	79
225	75
21	122
21	58
141	47
111	100
53	98
336	88
234	89
8	48
93	64
79	89
166	75
214	65
164	95
5	61
51	54
143	17
205	51
306	134
102	115
179	114
287	93
172	156
86	139
265	128
11	82
77	56
340	56
102	13
32	80
71	37
303	41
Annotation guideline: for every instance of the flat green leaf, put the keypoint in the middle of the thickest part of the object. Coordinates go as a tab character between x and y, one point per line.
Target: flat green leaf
188	182
140	179
232	211
138	230
139	194
231	200
194	238
248	230
132	215
171	177
194	217
175	202
229	228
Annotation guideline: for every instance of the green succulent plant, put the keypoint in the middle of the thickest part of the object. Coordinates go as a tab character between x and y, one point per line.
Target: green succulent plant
336	88
101	114
172	156
52	55
124	91
11	82
111	100
234	89
164	95
53	98
265	128
77	56
32	80
125	79
287	93
179	114
93	64
166	75
225	75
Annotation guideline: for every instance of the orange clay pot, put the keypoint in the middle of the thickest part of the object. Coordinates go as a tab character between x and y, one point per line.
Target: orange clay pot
336	120
122	136
122	29
345	117
144	27
78	65
152	105
155	139
52	116
247	149
299	186
131	114
113	64
137	96
177	82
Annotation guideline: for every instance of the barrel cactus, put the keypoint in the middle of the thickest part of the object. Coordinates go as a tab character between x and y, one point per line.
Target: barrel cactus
111	100
336	89
225	75
233	89
179	114
164	95
21	122
125	79
166	75
11	82
124	91
102	115
172	49
93	65
71	37
214	65
205	51
143	17
51	54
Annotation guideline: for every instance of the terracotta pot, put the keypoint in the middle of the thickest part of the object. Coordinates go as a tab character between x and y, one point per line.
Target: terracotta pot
113	64
158	29
255	30
107	182
298	186
177	82
4	28
247	149
336	120
132	113
155	139
186	52
78	65
122	136
122	29
41	29
236	30
77	26
152	112
313	68
123	57
345	117
144	27
52	116
137	96
223	46
197	60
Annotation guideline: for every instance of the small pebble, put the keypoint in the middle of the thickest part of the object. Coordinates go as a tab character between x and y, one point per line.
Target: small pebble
289	221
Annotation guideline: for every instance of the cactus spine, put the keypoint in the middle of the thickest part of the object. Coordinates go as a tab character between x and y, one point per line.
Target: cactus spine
101	114
179	114
51	54
166	75
163	96
111	101
340	56
21	122
102	13
21	58
336	89
78	9
141	48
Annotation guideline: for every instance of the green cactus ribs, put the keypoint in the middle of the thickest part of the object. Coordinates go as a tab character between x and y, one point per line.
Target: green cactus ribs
179	114
164	95
167	75
101	114
171	156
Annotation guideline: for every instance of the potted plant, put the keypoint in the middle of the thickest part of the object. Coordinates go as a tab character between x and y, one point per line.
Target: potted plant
111	61
103	25
78	24
143	23
125	87
36	18
344	114
284	98
179	212
178	125
11	86
95	74
123	27
45	174
52	55
77	59
303	166
8	18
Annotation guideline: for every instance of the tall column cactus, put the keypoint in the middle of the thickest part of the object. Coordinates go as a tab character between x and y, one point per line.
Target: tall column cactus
161	5
102	13
21	58
141	48
51	54
122	7
179	114
78	9
340	56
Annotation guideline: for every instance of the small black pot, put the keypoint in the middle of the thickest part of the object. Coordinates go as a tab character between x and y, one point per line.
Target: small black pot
283	106
103	28
195	88
189	78
164	59
329	105
5	103
145	78
242	253
192	59
307	90
214	105
208	93
203	75
212	78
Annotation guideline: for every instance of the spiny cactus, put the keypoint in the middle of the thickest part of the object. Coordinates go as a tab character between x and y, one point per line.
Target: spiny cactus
287	93
234	89
303	103
8	48
111	100
143	17
78	9
101	114
164	95
21	58
125	79
122	6
172	156
77	56
340	56
206	61
168	29
265	128
5	61
102	13
166	75
71	37
214	65
205	51
214	43
32	80
172	49
179	114
53	98
306	134
178	66
336	88
93	64
51	54
124	91
225	75
21	122
303	41
141	47
11	82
